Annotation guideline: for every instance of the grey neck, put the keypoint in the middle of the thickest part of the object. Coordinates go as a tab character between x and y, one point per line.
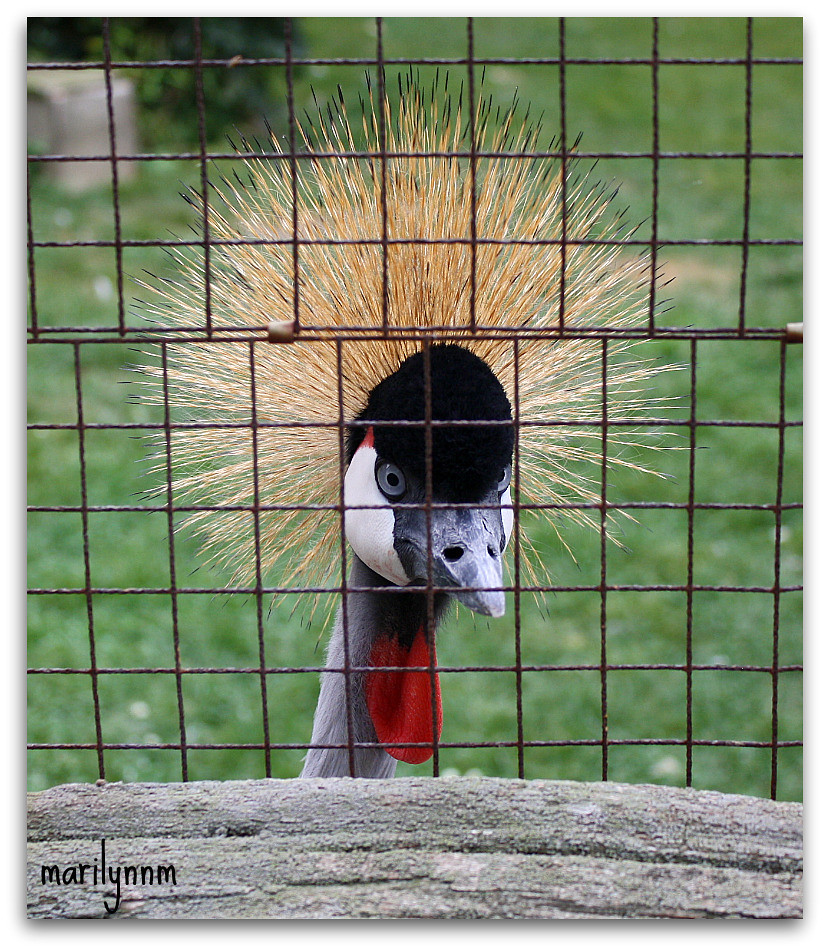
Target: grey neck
368	613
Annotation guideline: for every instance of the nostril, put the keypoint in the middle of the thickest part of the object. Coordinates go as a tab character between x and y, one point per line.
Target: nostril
491	551
454	553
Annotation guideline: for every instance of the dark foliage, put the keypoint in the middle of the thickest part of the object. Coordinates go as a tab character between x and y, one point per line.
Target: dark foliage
234	95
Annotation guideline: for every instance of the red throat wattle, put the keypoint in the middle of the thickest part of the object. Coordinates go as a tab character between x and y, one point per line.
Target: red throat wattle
400	701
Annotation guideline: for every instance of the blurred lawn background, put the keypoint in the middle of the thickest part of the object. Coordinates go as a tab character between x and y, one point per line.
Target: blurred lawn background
702	109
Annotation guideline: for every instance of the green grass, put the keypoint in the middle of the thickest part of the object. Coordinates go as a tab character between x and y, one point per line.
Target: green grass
701	109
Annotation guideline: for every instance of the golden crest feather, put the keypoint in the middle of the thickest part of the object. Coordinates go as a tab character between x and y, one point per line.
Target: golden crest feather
386	246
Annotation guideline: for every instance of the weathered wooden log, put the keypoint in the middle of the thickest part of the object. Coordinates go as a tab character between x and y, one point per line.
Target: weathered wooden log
410	847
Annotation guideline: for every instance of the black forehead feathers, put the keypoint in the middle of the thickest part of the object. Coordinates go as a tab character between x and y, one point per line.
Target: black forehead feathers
466	460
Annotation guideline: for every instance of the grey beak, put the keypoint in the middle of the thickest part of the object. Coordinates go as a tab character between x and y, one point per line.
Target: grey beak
467	553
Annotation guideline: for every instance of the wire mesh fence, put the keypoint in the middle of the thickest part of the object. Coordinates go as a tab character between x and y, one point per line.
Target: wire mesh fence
675	656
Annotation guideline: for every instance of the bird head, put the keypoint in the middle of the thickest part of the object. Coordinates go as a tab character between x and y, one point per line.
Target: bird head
434	508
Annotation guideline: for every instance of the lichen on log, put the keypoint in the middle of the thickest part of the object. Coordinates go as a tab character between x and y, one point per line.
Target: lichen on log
412	847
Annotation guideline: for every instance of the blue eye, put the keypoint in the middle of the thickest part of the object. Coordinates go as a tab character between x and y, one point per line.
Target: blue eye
504	479
390	479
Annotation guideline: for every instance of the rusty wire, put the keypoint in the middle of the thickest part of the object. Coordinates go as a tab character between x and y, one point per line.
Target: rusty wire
122	332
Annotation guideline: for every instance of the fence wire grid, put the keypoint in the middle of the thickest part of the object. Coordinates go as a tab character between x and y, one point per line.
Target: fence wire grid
676	658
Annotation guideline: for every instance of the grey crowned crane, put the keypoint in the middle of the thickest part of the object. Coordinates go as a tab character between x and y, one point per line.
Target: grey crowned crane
456	548
417	356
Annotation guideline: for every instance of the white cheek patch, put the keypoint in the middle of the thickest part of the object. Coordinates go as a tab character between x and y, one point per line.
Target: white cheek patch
370	531
507	515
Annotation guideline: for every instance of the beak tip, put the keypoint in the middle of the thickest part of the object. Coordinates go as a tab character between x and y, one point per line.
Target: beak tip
491	603
498	608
